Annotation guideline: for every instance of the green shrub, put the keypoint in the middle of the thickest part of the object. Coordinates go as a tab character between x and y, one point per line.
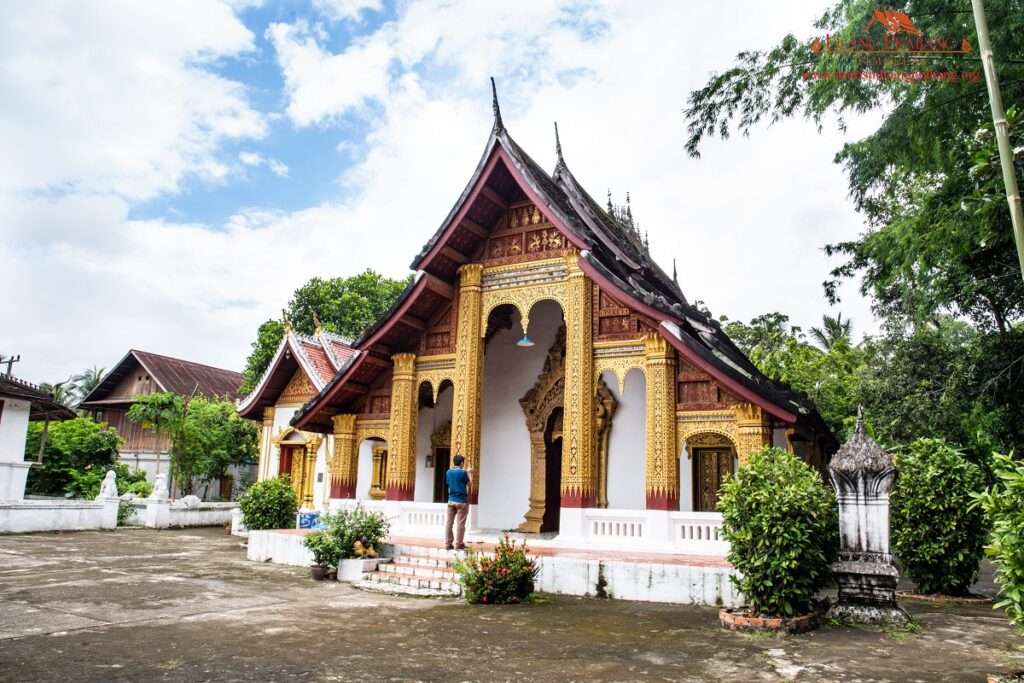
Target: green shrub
936	533
78	445
507	577
357	530
782	524
1003	505
124	511
325	548
269	504
86	483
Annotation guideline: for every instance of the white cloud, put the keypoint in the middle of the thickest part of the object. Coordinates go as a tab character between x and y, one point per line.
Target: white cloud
745	223
345	9
117	97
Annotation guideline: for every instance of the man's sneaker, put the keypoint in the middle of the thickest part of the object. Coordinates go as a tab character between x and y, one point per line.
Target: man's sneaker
448	547
459	547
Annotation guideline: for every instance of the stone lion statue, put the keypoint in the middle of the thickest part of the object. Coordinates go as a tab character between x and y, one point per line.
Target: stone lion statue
160	491
108	489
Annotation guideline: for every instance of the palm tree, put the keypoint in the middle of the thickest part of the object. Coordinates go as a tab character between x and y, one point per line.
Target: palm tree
87	380
62	392
833	331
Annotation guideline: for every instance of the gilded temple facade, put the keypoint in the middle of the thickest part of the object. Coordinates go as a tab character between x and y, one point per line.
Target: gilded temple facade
299	369
541	341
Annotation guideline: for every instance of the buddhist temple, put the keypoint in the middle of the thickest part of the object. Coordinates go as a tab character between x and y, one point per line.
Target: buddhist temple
298	371
540	340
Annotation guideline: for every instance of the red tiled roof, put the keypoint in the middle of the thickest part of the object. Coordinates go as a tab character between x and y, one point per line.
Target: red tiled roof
318	357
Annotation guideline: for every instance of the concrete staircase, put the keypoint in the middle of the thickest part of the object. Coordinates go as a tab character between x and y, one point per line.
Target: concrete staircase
416	570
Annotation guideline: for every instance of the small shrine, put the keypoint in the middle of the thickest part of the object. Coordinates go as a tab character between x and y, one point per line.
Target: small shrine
863	475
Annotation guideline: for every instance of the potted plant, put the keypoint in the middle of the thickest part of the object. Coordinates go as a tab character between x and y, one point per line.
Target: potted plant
358	533
326	554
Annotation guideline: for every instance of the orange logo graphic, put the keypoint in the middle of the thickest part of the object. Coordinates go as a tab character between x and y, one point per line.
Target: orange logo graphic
893	22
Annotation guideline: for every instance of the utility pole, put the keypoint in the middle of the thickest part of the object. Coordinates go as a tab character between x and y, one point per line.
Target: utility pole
10	360
1002	130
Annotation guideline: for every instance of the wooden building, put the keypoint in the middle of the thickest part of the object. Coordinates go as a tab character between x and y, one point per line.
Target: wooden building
139	373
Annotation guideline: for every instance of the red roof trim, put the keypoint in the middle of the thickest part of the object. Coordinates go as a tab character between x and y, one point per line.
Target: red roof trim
498	153
682	348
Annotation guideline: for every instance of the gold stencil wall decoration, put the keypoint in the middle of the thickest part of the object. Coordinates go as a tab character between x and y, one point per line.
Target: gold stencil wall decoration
578	445
469	358
401	475
662	457
435	370
342	462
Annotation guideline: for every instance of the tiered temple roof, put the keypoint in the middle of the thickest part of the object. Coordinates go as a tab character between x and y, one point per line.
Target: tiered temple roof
612	256
320	357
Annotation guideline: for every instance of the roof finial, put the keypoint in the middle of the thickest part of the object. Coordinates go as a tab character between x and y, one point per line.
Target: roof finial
316	322
558	144
610	207
287	323
860	415
675	275
498	125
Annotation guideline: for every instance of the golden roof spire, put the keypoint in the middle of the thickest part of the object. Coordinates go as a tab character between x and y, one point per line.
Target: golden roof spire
319	327
287	323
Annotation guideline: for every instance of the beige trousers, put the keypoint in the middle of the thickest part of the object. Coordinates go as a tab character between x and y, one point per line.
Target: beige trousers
457	513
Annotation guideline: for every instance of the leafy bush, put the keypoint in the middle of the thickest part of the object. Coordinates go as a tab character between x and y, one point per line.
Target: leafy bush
124	511
269	504
1003	505
325	548
352	526
508	577
937	535
78	445
782	524
86	484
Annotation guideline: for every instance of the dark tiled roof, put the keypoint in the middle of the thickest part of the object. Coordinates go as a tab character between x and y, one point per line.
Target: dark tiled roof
42	404
175	375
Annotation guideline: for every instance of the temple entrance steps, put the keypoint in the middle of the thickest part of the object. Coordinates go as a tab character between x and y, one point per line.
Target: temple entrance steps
426	571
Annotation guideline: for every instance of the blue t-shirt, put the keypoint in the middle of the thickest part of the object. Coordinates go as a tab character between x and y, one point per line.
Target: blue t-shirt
458	480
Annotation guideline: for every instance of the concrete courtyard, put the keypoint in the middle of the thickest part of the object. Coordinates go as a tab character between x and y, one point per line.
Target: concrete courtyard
187	606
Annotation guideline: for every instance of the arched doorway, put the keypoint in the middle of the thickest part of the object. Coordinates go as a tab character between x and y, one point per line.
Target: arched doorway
297	454
713	460
552	471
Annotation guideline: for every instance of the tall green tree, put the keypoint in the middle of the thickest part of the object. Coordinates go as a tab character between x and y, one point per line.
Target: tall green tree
833	331
72	446
927	250
207	435
346	306
87	380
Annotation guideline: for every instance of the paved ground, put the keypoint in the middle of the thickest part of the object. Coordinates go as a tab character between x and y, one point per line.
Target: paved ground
186	606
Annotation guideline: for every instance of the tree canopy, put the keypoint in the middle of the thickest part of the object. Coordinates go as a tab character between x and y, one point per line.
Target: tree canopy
72	446
938	239
346	306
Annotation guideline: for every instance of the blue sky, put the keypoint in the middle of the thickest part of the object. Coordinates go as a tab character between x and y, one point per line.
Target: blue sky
173	171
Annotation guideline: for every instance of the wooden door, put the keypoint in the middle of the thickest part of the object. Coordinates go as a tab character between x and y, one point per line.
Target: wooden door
442	462
710	468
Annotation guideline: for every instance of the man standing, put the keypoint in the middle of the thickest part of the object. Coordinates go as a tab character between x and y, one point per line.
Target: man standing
458	505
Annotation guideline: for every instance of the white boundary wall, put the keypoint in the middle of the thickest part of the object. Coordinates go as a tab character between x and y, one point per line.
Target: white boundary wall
20	516
162	514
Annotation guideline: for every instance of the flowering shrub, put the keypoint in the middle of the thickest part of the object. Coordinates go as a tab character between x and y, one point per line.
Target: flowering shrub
508	577
357	530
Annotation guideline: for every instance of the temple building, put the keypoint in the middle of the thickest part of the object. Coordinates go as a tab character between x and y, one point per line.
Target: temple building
298	371
541	341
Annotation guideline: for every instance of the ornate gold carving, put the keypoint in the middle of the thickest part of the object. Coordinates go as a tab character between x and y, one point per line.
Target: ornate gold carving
436	369
303	461
619	357
705	427
662	458
578	445
469	358
371	429
298	389
539	403
442	437
752	430
379	472
402	426
522	286
342	462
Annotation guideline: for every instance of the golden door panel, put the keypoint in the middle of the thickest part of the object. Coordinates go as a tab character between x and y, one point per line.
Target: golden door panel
710	468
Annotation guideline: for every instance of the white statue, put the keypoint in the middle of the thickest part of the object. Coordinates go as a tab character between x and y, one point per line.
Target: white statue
108	489
191	501
160	491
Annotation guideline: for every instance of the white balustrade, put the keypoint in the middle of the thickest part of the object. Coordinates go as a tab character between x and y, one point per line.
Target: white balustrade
616	526
699	533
